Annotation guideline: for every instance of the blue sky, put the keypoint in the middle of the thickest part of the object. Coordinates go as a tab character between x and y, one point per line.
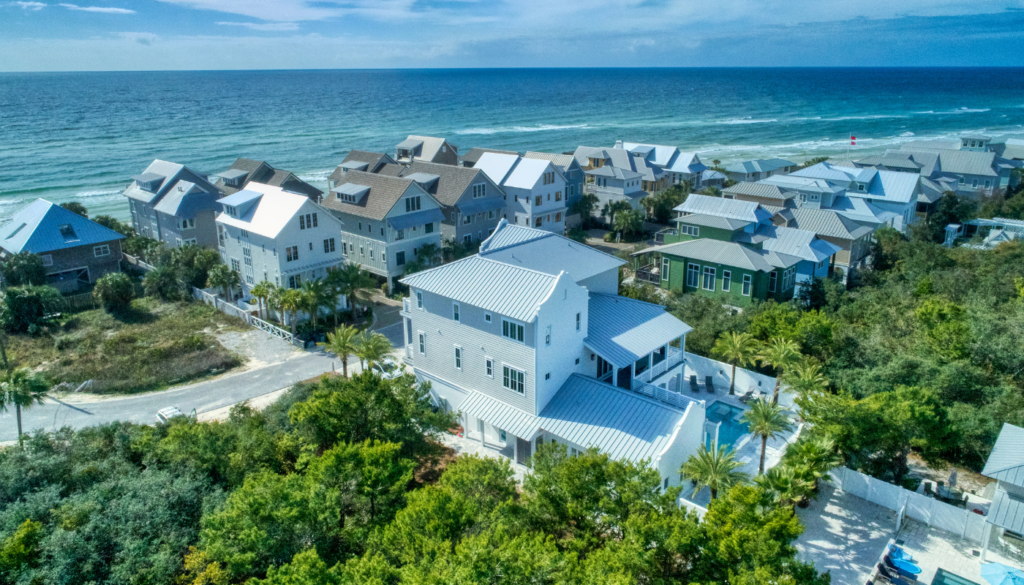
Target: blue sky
43	35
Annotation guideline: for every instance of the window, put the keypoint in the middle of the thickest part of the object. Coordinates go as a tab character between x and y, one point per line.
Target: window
291	253
665	263
489	367
558	216
726	280
512	330
558	195
467	239
467	219
235	265
412	204
68	232
501	435
547	376
988	183
479	190
860	187
361	253
577	321
962	181
100	251
539	221
709	279
458	358
419	300
789	278
360	226
428	228
689	230
547	335
371	253
399	258
487	317
329	245
539	200
188	242
295	281
692	275
311	246
186	224
400	235
514	379
455	313
772	278
47	259
423	343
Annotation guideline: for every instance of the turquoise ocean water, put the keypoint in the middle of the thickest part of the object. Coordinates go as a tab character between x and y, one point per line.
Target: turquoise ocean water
80	136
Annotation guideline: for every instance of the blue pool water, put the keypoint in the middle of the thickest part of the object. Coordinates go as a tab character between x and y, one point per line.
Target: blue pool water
731	430
943	577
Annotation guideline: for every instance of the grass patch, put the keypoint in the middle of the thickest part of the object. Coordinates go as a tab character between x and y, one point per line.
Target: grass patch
150	347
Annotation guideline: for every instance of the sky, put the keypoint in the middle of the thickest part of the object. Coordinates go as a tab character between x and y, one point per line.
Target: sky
131	35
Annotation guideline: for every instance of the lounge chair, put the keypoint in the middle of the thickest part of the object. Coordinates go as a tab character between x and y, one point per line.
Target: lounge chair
693	384
889	576
746	396
709	383
907	570
898	553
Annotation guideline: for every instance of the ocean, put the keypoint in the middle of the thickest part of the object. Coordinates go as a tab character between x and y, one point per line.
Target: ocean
81	136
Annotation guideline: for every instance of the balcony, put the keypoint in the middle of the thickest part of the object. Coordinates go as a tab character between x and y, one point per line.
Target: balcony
650	274
674	358
659	238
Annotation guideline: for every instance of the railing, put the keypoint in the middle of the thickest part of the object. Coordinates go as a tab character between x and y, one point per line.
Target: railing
255	322
664	395
138	262
648	274
659	237
271	329
406	304
674	358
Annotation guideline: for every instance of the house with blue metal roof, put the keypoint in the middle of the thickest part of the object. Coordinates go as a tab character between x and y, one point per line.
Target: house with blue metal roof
75	250
529	341
172	203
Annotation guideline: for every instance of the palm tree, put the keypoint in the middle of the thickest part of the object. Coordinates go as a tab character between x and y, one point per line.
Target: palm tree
291	302
261	292
429	254
371	348
714	469
353	282
816	456
766	419
342	343
784	484
274	300
781	354
225	278
315	295
738	349
806	378
22	388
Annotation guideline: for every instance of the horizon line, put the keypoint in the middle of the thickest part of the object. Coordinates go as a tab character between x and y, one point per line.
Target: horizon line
675	67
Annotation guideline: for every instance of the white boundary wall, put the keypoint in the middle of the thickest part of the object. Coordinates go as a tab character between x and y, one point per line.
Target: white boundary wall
910	504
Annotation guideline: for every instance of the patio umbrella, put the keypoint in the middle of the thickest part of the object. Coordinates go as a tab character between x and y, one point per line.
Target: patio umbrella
1000	574
952	479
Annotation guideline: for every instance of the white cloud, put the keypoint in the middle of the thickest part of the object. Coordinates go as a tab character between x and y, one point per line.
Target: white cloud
102	9
264	26
29	5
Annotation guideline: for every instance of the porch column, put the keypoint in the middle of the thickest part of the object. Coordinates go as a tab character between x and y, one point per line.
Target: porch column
480	427
515	449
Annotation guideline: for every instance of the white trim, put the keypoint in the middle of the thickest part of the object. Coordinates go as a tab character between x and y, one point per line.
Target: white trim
512	324
459	357
421	338
97	249
456	314
489	365
508	381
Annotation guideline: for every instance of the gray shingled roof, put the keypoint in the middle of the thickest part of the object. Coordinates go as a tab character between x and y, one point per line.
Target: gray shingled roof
384	193
760	190
1006	462
560	160
371	159
391	170
452	181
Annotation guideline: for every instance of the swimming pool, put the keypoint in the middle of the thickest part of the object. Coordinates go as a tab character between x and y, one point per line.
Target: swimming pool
731	429
944	577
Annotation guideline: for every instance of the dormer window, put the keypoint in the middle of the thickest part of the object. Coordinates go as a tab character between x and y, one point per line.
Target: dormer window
231	211
68	233
479	190
860	187
412	204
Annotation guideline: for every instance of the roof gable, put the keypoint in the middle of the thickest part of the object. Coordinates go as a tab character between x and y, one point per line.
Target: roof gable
545	252
1006	462
384	192
267	209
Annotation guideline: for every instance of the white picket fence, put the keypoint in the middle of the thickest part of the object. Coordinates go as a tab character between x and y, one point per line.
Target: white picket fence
910	504
138	262
253	321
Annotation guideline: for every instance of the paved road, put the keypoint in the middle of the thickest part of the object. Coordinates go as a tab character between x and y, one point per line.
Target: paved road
142	408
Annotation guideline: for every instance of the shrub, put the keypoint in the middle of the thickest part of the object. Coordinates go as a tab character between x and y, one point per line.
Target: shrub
115	292
163	284
24	269
29	308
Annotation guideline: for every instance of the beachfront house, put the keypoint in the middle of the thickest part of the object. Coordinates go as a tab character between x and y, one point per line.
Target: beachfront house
534	189
172	203
571	170
426	148
757	169
560	357
265	233
732	249
358	160
968	171
75	251
386	220
611	185
246	170
472	203
1005	518
890	191
678	167
473	155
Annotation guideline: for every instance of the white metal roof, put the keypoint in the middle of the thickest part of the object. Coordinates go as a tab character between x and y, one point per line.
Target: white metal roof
623	330
512	291
546	252
731	208
508	234
497	166
1006	461
528	172
622	424
272	212
503	416
797	242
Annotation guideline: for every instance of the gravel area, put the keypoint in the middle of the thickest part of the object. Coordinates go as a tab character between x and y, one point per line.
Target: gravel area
257	347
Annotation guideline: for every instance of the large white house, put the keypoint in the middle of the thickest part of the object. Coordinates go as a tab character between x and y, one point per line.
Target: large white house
267	233
530	342
534	189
